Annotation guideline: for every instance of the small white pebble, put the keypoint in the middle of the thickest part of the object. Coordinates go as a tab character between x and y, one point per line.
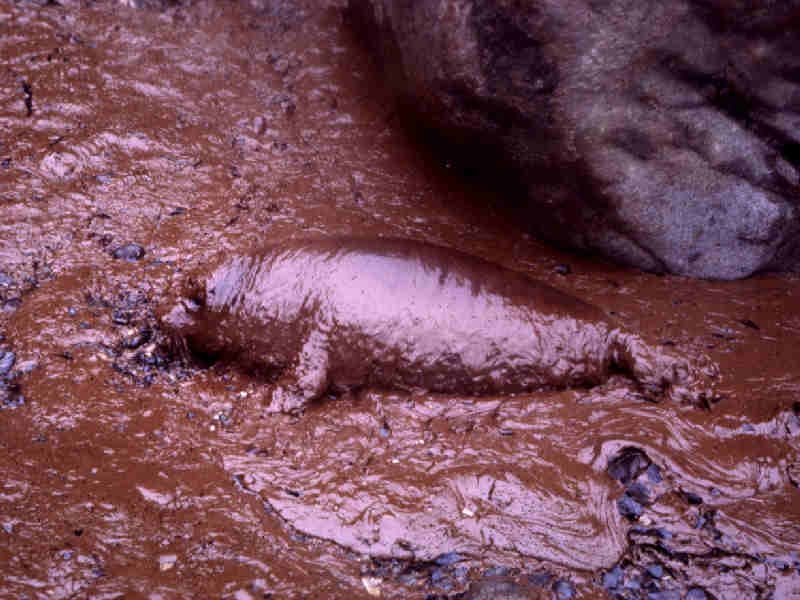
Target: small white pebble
372	585
395	461
166	562
646	521
467	512
212	428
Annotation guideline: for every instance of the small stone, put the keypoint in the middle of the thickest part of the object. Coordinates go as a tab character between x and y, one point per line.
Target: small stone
655	571
633	584
628	464
629	508
563	589
654	473
104	178
5	280
665	595
121	317
562	269
613	578
445	560
640	493
166	562
138	339
7	360
696	593
372	585
467	512
129	252
259	125
439	578
498	571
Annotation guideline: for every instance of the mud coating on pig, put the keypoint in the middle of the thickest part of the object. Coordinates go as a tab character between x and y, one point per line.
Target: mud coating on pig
399	314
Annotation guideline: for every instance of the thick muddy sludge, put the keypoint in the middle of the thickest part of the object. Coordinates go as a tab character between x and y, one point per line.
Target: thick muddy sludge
137	142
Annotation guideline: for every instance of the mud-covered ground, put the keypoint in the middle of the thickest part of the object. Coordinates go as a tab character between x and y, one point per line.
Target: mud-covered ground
137	142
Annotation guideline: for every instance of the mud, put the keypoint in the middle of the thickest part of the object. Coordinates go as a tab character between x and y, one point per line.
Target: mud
139	141
345	313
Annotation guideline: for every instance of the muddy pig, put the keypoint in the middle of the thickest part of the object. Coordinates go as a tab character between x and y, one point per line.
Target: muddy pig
399	314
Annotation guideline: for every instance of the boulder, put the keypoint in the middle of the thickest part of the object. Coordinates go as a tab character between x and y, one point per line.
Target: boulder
663	135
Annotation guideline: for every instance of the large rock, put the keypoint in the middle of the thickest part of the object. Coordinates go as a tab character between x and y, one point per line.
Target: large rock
665	135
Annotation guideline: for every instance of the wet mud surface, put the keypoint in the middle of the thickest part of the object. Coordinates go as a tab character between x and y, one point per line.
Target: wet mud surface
137	142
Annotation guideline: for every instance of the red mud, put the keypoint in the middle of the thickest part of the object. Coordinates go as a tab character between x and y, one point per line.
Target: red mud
215	126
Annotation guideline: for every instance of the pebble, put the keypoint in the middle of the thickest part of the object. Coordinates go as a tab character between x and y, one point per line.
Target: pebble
120	317
562	269
166	562
498	571
654	473
665	595
129	252
696	593
7	360
629	508
563	589
613	578
5	280
628	465
259	125
372	585
656	571
138	339
445	560
639	492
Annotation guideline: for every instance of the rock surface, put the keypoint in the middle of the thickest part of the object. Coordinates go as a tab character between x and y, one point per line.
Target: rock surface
663	135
